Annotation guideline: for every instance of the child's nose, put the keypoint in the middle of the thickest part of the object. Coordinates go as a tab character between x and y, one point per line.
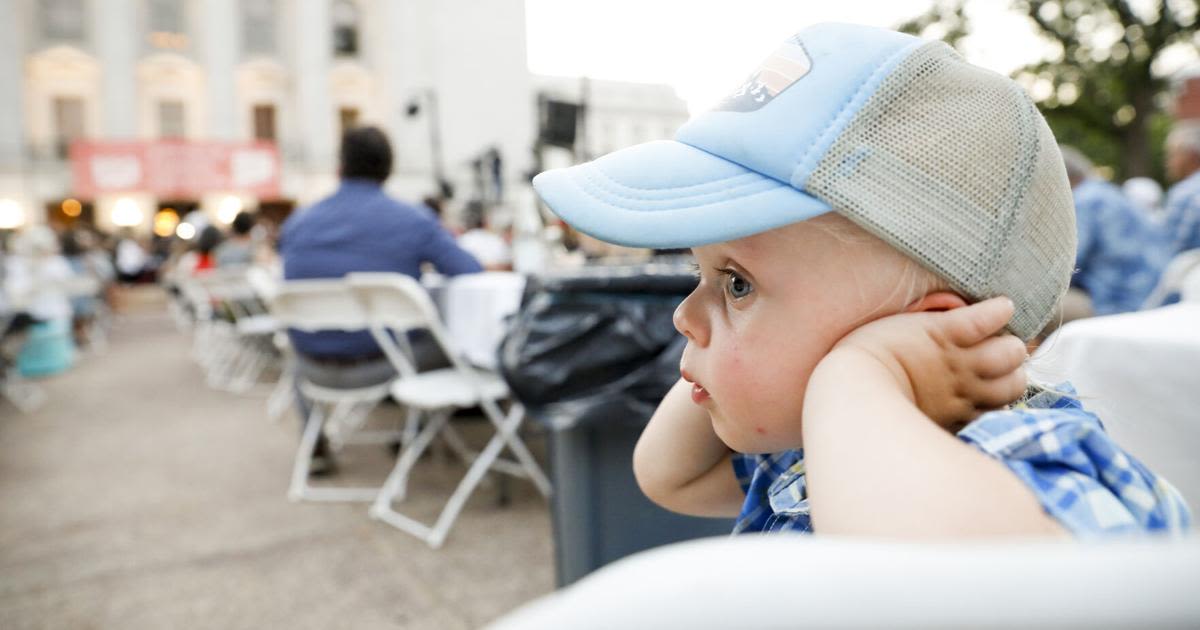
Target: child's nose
689	322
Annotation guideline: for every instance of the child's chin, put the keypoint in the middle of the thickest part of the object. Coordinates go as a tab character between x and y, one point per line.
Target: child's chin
736	440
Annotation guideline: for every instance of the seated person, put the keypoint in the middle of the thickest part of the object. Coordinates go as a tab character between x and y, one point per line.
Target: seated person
1121	252
1183	199
238	249
360	228
36	280
489	248
870	260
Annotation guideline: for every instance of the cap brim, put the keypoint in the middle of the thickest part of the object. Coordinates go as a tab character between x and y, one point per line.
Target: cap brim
668	194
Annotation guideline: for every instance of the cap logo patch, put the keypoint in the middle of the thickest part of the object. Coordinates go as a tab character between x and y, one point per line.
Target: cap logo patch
788	64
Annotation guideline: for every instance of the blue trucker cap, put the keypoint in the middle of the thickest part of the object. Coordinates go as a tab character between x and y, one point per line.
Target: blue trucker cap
947	162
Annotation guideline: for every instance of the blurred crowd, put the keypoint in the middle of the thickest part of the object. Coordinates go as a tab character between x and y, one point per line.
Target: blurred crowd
58	285
1133	240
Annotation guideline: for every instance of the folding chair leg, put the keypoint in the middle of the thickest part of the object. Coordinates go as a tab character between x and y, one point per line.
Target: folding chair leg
454	505
456	443
412	424
487	459
396	486
299	489
507	430
304	454
281	396
246	374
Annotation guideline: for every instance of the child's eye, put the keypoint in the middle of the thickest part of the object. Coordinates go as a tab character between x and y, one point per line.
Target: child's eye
737	286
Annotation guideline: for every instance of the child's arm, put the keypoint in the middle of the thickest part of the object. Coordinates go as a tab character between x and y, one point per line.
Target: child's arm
877	465
680	463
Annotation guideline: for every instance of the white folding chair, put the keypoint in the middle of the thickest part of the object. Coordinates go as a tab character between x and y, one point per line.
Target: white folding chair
239	344
266	285
395	304
313	305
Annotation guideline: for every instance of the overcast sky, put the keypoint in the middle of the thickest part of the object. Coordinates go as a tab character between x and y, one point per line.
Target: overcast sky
706	47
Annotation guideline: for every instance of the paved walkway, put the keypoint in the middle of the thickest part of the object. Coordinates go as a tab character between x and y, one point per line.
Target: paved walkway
138	498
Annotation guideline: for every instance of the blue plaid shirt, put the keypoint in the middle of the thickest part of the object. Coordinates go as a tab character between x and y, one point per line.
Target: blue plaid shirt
1183	214
1121	252
1076	471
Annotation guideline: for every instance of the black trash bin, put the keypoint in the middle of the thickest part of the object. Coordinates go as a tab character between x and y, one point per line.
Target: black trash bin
590	355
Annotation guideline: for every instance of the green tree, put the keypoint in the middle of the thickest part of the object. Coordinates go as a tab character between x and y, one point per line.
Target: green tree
1096	87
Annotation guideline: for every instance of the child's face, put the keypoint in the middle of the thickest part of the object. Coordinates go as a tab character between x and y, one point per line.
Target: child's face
768	308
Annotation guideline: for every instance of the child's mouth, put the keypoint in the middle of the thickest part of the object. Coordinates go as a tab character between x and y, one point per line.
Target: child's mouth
699	394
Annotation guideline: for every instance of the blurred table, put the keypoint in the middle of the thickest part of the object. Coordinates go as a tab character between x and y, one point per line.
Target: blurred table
1140	373
475	309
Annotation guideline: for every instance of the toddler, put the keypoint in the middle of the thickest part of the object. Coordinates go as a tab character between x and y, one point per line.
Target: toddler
877	226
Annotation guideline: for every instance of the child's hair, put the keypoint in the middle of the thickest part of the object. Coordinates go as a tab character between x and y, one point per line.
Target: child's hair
915	281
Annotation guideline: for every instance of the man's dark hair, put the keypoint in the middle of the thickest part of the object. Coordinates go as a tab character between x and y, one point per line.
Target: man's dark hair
208	239
366	154
70	244
472	216
433	203
242	223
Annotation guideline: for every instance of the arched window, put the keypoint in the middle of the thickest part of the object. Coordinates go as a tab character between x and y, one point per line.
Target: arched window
345	28
166	23
258	27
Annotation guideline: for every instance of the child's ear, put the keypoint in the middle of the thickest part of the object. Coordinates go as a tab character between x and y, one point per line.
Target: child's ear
939	301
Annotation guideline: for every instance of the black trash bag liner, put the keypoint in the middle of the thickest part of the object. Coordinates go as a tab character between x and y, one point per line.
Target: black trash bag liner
598	346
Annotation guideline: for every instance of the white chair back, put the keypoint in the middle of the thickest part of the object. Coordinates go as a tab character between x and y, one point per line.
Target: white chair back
264	285
312	305
1182	274
395	303
226	285
394	300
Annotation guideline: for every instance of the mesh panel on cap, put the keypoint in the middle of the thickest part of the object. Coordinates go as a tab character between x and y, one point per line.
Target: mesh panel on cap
1036	268
953	166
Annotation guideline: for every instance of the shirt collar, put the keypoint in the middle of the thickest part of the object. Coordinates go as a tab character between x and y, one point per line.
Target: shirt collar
1058	396
359	184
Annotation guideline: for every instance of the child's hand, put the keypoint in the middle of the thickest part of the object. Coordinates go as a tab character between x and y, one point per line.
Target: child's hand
950	364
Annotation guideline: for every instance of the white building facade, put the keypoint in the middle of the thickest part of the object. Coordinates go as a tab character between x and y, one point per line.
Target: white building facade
618	114
291	72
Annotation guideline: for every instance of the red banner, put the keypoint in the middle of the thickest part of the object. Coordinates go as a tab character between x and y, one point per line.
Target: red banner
175	168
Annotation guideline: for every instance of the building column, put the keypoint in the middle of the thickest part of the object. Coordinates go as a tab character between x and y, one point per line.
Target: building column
314	107
118	41
221	48
401	51
12	93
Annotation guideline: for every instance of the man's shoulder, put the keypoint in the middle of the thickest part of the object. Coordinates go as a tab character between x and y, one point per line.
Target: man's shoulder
1099	191
1186	192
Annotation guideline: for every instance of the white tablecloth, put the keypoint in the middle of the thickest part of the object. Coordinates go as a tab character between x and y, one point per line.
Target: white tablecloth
1140	373
475	308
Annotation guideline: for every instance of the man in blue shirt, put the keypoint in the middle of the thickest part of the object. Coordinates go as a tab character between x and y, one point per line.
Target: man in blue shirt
359	228
1183	200
1120	252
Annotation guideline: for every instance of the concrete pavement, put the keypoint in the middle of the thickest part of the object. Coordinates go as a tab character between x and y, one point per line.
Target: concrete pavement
139	498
